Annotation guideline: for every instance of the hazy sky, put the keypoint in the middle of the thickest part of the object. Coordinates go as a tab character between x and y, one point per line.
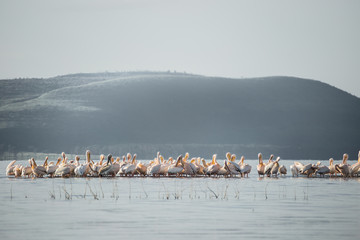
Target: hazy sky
311	39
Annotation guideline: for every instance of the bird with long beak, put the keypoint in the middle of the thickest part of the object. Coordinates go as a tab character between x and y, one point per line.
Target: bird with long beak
261	166
141	168
10	168
176	168
294	170
154	169
244	167
63	169
282	170
188	170
82	170
269	166
224	170
108	169
130	169
355	168
275	167
51	169
322	170
214	167
17	170
232	165
344	168
27	170
332	168
38	171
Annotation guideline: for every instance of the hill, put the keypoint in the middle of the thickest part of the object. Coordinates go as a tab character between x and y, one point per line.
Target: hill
145	112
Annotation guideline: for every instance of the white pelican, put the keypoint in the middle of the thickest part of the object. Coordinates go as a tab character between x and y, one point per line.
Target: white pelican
232	165
154	169
282	170
109	168
141	168
130	168
188	170
164	166
63	169
82	170
51	168
322	170
344	168
225	170
195	167
27	171
294	170
17	170
10	168
214	167
38	171
244	167
95	167
309	169
269	166
332	167
261	166
176	168
355	168
275	167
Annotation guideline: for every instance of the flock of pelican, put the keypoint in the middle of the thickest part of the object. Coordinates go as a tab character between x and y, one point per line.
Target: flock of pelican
180	167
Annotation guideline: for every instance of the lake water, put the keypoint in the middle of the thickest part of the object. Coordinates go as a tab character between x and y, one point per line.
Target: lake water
178	208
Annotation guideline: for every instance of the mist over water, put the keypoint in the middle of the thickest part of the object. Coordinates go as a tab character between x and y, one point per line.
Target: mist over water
159	208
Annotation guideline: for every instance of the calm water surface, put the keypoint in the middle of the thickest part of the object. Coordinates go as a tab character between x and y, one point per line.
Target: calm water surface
163	208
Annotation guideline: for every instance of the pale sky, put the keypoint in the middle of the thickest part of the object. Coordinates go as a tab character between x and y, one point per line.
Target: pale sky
310	39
